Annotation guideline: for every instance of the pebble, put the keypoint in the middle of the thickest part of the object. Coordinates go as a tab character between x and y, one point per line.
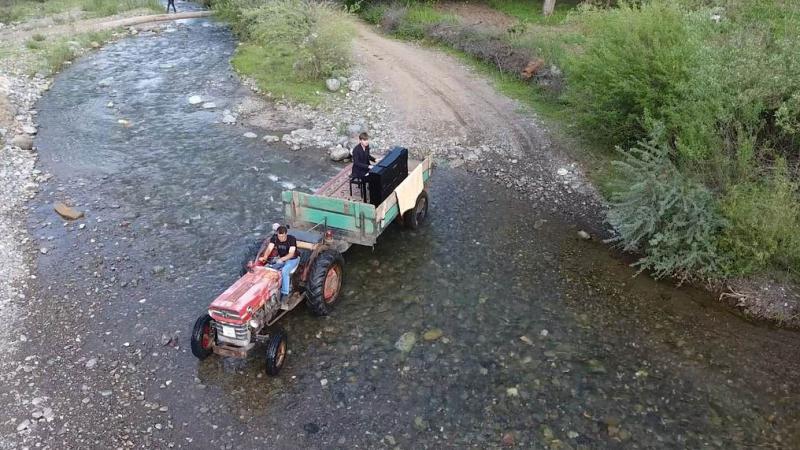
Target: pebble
195	100
512	392
432	334
90	364
584	235
23	425
209	105
406	342
250	135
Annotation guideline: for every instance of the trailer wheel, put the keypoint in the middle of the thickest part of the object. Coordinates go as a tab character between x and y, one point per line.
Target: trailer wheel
204	336
277	348
250	254
415	217
325	282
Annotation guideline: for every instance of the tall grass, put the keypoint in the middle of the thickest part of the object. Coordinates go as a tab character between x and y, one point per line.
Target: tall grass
21	10
290	44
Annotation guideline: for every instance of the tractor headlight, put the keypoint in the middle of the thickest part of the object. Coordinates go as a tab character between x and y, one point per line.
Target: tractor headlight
254	324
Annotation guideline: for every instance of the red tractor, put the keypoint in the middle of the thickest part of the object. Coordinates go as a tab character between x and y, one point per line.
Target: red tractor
245	313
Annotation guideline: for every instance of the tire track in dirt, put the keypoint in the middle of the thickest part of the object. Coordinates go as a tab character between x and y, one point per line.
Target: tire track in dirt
434	94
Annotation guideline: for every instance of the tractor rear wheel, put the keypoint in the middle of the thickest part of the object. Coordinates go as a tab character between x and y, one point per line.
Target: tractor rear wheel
415	217
204	336
325	282
277	349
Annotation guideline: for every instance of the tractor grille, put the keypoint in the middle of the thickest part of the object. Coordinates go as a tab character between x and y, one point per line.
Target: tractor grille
242	331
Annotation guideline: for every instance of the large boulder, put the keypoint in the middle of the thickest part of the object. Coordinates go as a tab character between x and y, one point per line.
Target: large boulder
339	153
23	141
333	84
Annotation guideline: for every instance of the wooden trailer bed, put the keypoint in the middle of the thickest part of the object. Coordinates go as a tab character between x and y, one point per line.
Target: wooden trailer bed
347	216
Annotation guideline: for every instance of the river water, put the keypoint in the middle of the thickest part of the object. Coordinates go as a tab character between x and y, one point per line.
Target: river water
546	341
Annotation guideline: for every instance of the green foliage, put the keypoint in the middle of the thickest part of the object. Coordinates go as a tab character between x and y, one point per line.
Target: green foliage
21	10
672	219
411	21
632	69
289	45
372	13
764	231
272	70
529	12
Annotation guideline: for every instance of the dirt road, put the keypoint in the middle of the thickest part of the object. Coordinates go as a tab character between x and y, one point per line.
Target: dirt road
443	103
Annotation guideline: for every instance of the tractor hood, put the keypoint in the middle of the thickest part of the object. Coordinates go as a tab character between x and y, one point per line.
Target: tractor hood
246	295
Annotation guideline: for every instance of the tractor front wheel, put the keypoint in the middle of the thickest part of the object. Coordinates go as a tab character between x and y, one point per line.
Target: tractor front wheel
204	336
277	348
325	282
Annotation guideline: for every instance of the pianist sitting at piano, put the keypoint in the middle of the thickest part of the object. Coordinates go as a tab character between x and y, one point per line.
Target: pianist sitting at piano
361	157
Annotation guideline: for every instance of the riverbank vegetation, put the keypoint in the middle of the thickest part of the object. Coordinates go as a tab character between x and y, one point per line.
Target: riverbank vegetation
698	97
289	46
22	10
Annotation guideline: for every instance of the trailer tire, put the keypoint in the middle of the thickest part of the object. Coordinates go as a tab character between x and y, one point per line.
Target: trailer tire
204	336
277	349
250	255
325	282
415	217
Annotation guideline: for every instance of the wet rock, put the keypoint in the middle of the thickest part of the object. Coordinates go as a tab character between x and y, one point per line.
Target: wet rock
22	141
43	250
595	366
250	135
67	212
29	129
195	100
572	434
228	118
355	85
432	334
584	235
333	84
270	138
209	105
24	425
339	153
406	342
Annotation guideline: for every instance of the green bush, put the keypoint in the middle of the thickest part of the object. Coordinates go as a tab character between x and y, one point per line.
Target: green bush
764	222
316	35
670	218
634	65
413	21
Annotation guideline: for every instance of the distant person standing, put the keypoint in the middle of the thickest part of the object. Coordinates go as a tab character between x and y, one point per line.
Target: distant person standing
171	2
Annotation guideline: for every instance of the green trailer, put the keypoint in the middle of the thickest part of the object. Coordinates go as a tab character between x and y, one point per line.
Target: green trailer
347	218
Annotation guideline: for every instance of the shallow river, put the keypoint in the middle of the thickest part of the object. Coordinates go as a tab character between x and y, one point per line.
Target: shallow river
546	340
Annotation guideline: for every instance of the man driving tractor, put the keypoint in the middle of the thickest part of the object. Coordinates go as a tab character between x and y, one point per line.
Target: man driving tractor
287	259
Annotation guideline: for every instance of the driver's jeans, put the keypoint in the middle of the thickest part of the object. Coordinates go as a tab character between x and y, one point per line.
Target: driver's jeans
286	274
